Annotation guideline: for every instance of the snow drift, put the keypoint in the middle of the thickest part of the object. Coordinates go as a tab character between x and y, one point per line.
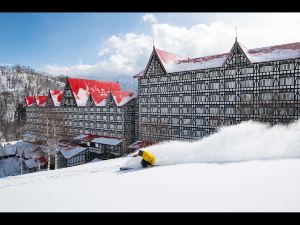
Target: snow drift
246	141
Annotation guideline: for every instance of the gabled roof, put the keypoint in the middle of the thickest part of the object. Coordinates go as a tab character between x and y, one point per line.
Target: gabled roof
72	151
56	96
107	141
41	100
166	57
31	163
276	52
99	91
173	63
29	100
123	97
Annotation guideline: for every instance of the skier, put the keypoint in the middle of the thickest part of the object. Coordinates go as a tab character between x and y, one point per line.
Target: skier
148	158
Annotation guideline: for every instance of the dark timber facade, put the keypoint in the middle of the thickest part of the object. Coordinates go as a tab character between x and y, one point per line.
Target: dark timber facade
93	109
187	104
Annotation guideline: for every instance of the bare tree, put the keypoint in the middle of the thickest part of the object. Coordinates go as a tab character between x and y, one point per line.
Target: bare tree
54	131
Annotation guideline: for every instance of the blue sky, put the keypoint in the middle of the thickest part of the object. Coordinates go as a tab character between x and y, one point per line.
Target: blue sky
37	39
91	44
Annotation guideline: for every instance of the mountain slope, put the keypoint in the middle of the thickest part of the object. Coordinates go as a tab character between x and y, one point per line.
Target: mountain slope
269	185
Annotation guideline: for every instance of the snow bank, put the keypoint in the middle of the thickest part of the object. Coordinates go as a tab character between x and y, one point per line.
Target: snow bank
246	141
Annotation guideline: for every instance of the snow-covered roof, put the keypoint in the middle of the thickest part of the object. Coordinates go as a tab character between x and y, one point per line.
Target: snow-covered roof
173	63
139	144
41	100
56	96
29	100
8	150
70	152
31	163
95	160
99	91
80	136
123	97
276	52
107	141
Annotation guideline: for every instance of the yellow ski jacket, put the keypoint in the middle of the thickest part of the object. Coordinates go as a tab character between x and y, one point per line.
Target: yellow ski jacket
147	156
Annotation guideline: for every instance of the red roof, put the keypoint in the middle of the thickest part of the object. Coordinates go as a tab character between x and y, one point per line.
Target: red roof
99	90
173	63
56	96
119	96
42	160
202	59
41	100
29	100
290	46
167	57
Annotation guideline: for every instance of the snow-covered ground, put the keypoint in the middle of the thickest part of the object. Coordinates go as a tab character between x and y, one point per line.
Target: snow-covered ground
247	167
245	186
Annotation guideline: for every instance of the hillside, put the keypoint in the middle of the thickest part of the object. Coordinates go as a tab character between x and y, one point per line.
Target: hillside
15	83
26	81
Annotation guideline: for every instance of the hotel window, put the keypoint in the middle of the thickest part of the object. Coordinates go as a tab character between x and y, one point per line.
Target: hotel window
201	86
230	84
214	110
246	83
175	121
164	110
175	99
163	79
214	85
266	96
230	110
187	76
144	81
246	70
200	110
187	99
175	110
230	72
229	98
289	81
153	80
214	122
165	120
289	96
199	133
267	82
154	110
246	97
214	98
174	77
201	98
214	73
289	66
185	132
186	110
200	122
187	87
200	75
265	69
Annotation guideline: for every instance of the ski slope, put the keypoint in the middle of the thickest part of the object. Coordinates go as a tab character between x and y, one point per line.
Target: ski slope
261	185
246	167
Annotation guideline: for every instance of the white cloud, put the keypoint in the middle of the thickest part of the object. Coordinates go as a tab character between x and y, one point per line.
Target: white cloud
149	17
127	54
